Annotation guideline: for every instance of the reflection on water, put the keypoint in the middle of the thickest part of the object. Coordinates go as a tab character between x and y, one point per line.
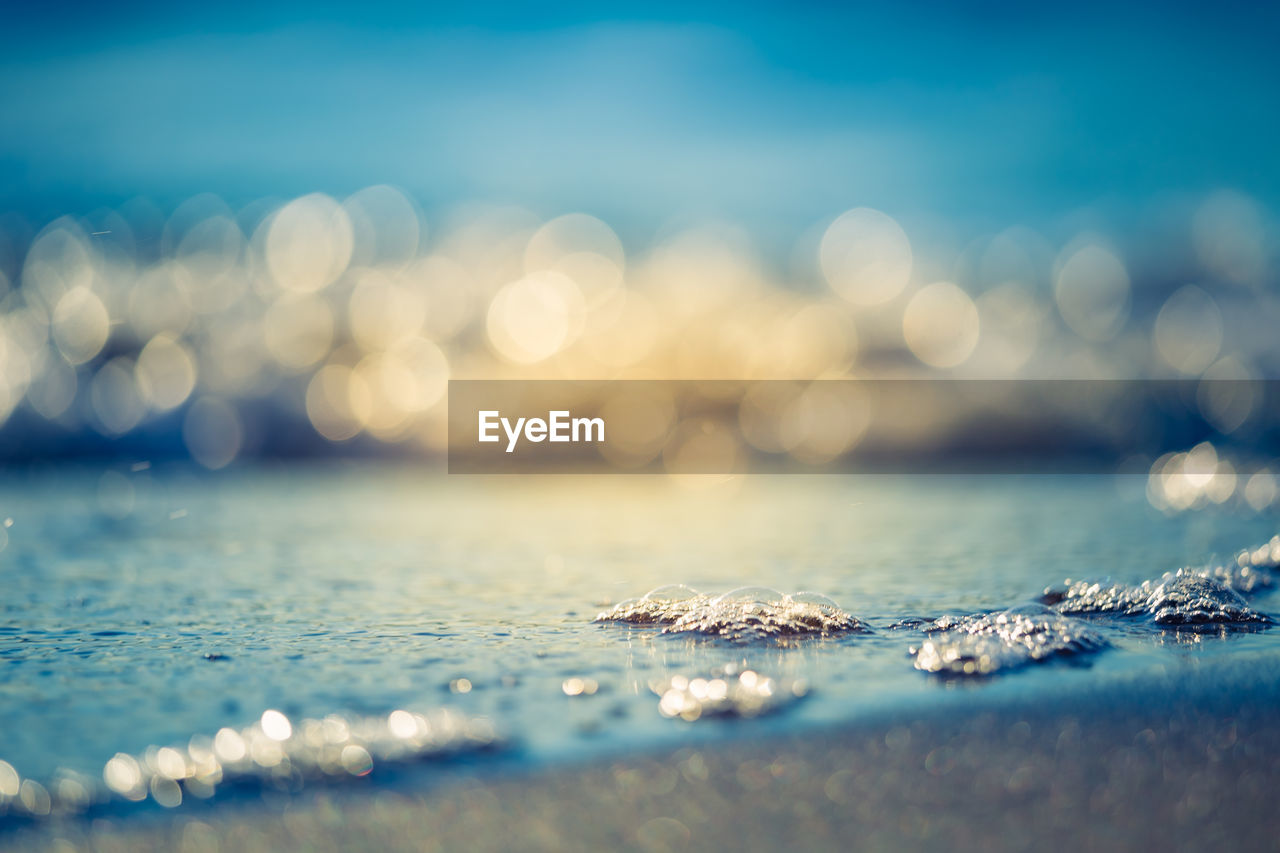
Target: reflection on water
272	753
727	692
144	607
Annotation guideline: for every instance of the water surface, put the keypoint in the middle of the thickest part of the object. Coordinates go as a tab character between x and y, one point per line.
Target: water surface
153	605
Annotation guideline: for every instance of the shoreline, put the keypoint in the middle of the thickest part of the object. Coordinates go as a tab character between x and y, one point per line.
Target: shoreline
1176	761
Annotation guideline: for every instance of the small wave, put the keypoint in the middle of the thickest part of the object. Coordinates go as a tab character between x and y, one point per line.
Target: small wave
749	613
273	752
1195	600
727	692
993	642
1180	597
1184	597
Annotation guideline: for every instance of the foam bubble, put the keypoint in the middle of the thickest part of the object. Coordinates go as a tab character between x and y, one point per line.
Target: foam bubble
1096	596
1189	596
671	592
815	599
1189	599
990	643
745	614
747	595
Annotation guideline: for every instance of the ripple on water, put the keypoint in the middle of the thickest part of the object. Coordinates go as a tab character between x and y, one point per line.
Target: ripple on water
749	613
726	692
273	752
995	642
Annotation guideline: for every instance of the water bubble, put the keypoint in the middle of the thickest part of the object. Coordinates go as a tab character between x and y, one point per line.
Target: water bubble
991	643
671	592
815	599
749	595
1187	596
1029	610
744	614
1191	599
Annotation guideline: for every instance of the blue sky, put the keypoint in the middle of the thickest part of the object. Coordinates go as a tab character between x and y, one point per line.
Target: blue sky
775	115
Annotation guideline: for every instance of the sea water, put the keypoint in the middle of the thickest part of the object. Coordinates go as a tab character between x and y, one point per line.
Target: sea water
395	615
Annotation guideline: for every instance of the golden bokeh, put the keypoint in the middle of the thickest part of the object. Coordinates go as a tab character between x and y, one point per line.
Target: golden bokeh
354	314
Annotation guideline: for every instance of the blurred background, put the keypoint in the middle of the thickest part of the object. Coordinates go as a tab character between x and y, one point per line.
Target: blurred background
248	249
243	232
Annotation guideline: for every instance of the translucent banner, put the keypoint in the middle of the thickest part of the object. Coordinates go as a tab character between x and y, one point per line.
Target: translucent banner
849	426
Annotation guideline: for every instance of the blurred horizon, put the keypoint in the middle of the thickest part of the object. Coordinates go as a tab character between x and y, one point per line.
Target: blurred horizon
274	231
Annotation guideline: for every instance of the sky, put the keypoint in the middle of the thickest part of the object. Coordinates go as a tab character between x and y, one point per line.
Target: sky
775	115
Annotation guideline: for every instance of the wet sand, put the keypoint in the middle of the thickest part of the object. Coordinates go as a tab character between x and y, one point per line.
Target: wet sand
1181	761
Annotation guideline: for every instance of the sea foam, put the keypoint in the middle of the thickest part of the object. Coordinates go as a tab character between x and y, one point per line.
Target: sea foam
993	642
745	614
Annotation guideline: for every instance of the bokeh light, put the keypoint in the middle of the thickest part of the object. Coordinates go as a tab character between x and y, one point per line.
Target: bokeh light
941	325
1092	292
309	243
866	256
1188	330
348	318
